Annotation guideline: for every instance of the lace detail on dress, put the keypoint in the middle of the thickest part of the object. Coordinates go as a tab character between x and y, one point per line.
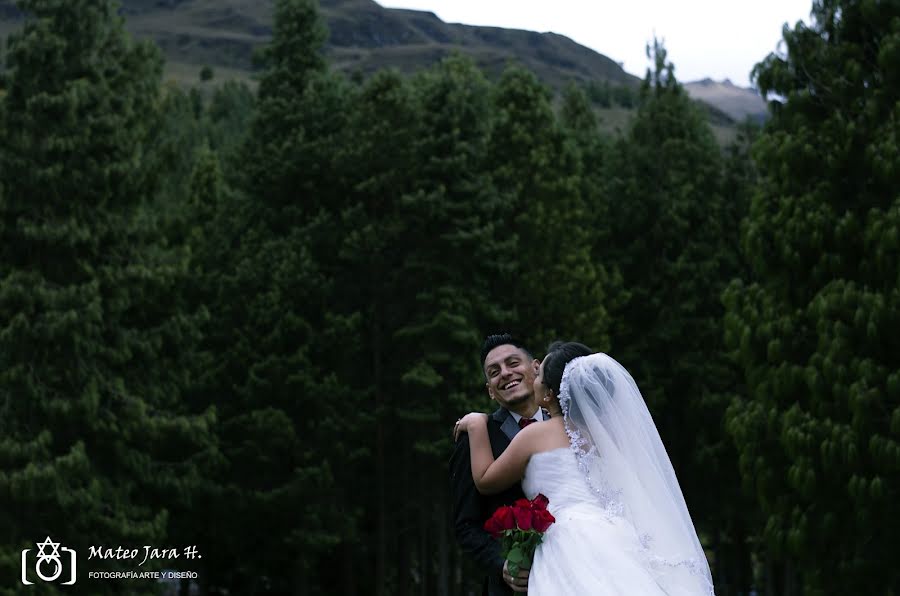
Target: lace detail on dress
654	561
694	567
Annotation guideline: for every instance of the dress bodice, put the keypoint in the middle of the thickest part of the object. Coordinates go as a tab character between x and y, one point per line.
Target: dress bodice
555	474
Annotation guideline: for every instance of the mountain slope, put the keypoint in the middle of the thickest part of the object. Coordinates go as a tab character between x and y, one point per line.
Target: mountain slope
369	37
363	37
738	102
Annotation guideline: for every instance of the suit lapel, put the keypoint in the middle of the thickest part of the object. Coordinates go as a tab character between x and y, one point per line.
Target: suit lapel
507	423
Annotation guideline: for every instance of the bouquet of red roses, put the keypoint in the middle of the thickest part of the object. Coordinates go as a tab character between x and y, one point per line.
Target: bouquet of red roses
520	528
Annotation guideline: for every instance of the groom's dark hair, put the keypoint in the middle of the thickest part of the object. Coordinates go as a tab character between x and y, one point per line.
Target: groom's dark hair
559	354
502	339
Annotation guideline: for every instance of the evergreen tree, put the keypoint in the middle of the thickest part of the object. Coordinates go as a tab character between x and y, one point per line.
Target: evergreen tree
283	158
582	130
454	250
96	443
414	276
670	238
228	117
813	328
379	166
729	513
281	406
664	178
179	133
559	290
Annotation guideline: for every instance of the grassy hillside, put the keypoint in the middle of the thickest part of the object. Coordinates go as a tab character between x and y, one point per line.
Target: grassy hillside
363	38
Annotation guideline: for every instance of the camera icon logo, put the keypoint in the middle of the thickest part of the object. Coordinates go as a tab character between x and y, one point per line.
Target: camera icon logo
49	566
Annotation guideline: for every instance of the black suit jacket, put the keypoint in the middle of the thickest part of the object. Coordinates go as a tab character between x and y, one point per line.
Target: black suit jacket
471	509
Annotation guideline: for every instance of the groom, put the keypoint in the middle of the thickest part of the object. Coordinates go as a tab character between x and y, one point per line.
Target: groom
509	370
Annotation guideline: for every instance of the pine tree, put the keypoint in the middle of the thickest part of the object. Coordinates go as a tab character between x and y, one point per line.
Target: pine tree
291	126
378	165
454	246
280	405
413	275
813	328
95	438
559	290
670	237
592	148
228	118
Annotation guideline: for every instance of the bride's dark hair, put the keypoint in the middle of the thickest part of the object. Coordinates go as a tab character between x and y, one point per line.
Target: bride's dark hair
560	353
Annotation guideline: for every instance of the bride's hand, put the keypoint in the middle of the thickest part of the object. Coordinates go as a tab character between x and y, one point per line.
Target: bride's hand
468	421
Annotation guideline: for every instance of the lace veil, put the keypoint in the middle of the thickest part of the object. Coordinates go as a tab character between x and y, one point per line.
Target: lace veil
622	457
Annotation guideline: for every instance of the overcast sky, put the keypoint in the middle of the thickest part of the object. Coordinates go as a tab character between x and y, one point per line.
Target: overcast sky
718	39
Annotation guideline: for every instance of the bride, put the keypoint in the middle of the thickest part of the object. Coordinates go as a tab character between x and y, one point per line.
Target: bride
622	526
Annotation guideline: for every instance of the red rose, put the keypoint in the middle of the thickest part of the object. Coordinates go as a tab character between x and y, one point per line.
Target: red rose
541	520
503	519
492	527
520	529
523	516
506	518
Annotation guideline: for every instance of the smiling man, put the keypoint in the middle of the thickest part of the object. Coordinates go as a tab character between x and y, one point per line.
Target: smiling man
509	370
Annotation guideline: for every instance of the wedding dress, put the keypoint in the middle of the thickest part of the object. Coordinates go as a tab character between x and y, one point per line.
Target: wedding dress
622	527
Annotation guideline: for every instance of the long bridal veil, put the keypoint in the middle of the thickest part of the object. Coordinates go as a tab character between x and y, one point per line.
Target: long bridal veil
624	462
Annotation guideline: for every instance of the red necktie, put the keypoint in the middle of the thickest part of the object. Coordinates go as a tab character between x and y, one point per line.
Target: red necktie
523	422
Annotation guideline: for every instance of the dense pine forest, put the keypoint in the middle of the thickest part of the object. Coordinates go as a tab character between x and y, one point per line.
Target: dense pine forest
246	319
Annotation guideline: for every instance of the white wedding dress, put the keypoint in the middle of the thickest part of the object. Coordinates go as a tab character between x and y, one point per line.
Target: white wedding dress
590	550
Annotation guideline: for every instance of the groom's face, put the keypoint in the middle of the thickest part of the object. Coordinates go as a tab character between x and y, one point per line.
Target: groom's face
510	375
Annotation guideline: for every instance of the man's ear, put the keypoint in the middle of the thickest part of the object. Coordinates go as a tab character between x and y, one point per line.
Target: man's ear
537	366
489	390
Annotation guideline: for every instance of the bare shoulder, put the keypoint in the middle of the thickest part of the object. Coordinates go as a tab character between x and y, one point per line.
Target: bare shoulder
544	436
